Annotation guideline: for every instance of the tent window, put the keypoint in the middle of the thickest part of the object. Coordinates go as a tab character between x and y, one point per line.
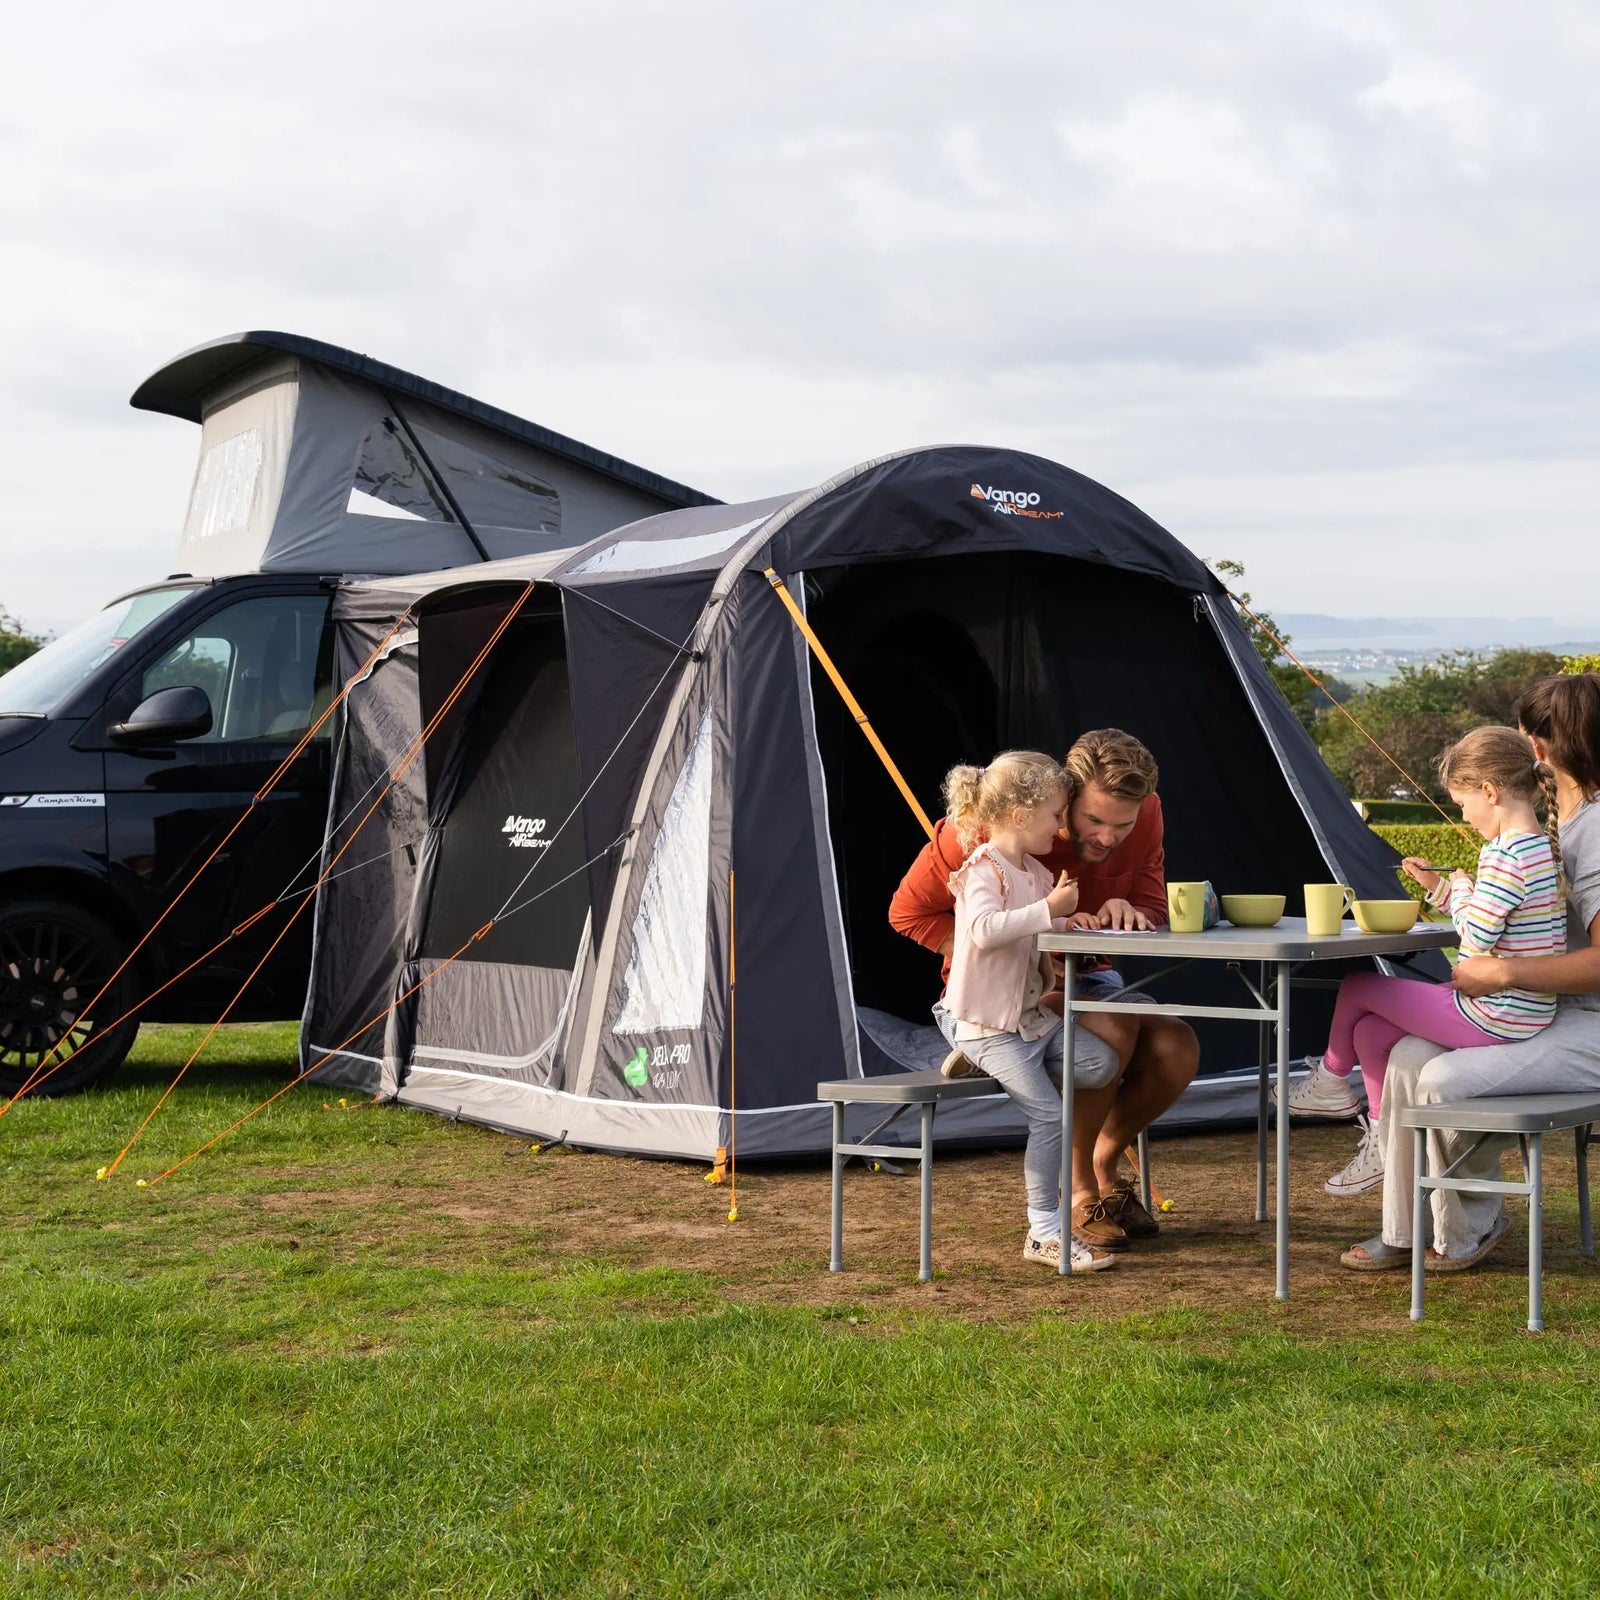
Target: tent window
664	986
391	481
225	487
640	555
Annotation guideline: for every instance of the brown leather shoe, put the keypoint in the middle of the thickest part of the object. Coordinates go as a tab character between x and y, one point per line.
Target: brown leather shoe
1092	1225
1126	1209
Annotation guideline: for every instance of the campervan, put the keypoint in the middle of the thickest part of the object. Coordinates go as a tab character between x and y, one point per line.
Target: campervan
130	746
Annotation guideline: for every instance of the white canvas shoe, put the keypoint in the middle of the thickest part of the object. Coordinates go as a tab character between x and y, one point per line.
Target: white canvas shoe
1323	1094
1365	1168
1085	1258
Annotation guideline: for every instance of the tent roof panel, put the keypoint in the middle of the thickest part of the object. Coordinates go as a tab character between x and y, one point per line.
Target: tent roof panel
179	389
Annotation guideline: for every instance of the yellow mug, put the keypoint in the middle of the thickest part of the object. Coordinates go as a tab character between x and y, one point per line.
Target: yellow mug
1186	907
1326	904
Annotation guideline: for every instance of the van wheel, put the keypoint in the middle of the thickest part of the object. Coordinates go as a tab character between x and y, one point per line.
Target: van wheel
54	958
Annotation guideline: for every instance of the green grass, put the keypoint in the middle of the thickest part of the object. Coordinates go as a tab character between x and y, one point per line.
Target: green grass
205	1393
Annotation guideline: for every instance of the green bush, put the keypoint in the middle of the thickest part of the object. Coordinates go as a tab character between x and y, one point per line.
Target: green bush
1393	811
1433	842
1577	664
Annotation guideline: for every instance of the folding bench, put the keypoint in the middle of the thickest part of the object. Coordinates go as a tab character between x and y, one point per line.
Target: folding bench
1529	1117
902	1090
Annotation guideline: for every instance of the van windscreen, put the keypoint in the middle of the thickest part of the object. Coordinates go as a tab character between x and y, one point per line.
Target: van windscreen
35	687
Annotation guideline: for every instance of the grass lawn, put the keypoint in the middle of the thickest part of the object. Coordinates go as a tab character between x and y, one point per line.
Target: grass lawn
365	1352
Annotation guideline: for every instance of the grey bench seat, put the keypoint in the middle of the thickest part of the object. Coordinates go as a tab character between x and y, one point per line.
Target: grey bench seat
1529	1117
902	1090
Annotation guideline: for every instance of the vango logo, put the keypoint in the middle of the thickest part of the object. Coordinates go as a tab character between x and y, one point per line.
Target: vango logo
1013	502
1005	497
524	833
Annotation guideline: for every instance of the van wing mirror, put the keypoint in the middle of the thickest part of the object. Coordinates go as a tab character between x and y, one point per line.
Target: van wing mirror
167	715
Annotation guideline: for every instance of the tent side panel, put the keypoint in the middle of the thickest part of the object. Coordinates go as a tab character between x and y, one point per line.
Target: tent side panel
365	906
795	1022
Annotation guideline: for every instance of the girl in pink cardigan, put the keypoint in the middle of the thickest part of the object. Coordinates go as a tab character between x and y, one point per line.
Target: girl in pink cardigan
1004	899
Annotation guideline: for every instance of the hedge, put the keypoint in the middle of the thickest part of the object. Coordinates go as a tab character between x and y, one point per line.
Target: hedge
1434	842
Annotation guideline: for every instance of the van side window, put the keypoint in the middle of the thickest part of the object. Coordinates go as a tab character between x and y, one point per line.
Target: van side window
262	664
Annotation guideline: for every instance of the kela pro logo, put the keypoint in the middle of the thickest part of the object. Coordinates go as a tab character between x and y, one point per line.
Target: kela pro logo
523	833
660	1067
1013	502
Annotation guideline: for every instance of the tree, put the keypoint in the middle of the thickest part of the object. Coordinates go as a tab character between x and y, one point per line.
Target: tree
1305	699
16	643
1420	712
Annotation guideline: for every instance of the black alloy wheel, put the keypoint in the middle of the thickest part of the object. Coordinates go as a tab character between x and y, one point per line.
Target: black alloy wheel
54	959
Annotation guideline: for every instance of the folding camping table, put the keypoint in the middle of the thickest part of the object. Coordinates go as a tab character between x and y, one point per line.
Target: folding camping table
1277	953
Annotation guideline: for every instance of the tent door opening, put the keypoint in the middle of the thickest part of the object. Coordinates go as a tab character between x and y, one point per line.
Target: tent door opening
955	659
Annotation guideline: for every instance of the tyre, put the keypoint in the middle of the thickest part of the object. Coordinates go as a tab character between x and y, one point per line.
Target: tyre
54	959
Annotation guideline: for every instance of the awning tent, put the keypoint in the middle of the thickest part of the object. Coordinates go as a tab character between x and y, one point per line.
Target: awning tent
317	459
649	775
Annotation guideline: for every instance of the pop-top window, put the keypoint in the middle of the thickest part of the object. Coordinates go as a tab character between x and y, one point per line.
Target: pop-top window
225	487
391	480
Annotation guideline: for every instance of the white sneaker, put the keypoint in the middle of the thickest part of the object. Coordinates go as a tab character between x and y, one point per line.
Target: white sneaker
1365	1169
1085	1258
1323	1094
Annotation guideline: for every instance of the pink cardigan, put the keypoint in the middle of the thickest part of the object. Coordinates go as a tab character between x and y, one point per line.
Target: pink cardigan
1000	910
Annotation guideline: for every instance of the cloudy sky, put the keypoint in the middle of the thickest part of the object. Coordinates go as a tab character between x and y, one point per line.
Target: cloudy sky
1314	284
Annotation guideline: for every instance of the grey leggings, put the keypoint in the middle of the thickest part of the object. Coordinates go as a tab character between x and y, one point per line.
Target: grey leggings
1029	1071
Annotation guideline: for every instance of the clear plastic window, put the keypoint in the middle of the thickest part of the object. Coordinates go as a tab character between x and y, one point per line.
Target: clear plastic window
225	487
664	986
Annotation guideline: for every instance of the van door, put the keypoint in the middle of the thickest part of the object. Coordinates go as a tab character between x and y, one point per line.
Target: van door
263	663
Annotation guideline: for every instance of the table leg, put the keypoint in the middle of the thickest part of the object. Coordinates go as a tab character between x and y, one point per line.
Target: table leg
925	1271
1067	1068
1262	1035
1536	1233
1585	1225
836	1257
1420	1229
1284	969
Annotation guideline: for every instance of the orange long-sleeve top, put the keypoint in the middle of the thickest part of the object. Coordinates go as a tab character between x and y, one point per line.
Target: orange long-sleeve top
923	907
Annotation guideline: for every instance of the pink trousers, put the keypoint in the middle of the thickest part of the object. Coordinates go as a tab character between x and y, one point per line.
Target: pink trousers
1373	1013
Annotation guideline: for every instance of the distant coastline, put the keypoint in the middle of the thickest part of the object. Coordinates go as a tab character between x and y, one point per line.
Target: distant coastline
1370	650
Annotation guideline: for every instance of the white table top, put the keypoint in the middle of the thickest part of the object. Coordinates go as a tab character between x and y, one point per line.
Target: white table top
1287	941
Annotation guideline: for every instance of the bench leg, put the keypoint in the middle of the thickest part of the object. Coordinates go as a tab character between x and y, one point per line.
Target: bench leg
1419	1223
1585	1224
836	1256
1143	1148
925	1269
1536	1233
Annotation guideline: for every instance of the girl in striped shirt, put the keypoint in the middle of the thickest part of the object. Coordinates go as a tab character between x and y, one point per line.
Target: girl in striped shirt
1513	909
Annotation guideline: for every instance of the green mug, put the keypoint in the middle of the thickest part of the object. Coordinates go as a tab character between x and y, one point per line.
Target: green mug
1186	907
1326	904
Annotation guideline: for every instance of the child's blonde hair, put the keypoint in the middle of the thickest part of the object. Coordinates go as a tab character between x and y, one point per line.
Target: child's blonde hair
976	798
1505	758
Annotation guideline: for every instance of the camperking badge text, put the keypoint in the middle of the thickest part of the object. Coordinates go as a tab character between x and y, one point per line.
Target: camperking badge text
1012	502
524	833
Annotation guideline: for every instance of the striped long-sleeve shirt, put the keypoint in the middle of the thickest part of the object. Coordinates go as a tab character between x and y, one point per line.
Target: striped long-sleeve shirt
1514	909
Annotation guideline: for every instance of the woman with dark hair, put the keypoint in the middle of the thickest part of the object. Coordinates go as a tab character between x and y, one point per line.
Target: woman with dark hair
1562	718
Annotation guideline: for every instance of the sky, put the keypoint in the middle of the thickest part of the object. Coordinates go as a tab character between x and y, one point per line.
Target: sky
1314	285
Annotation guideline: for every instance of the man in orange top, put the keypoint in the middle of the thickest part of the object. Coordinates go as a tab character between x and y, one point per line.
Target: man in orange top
1113	846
